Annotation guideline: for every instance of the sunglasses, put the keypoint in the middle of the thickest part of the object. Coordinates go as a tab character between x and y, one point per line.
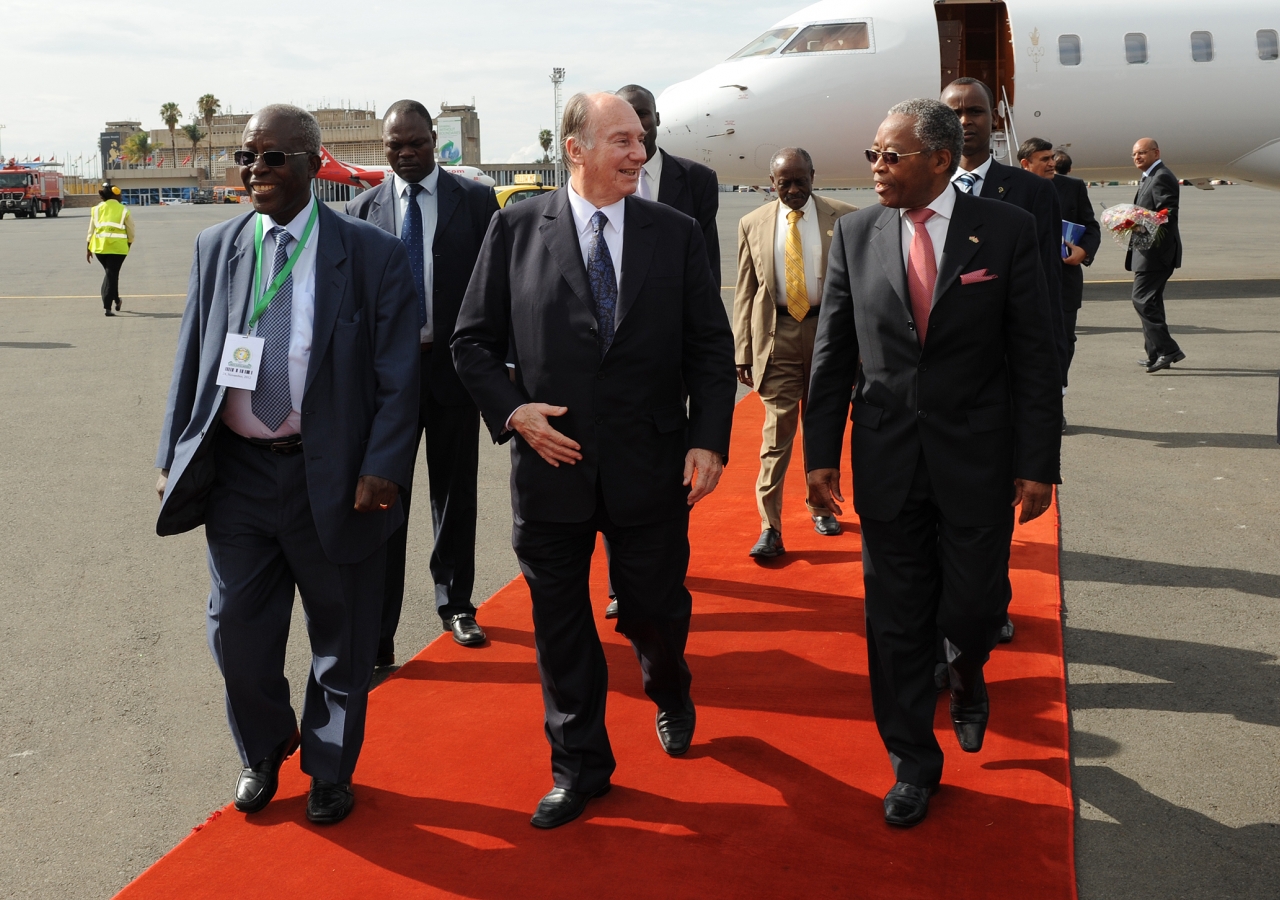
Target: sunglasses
890	157
274	158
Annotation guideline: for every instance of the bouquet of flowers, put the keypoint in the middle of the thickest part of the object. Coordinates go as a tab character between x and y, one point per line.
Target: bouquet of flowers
1134	227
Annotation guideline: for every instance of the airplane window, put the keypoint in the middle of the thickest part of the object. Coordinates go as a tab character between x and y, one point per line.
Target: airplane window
1069	49
833	36
1268	44
765	44
1135	48
1201	46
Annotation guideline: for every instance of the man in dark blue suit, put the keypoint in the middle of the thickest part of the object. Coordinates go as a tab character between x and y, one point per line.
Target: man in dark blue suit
294	470
604	303
442	220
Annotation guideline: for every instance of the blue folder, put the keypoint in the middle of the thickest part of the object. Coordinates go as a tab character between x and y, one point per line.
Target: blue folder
1071	234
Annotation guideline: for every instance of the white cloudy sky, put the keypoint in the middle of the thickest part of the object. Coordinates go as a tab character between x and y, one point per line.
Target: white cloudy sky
89	62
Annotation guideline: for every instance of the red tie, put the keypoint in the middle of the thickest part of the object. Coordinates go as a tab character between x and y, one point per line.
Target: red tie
922	272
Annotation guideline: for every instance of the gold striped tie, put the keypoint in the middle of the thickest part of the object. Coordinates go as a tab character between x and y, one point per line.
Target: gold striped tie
797	292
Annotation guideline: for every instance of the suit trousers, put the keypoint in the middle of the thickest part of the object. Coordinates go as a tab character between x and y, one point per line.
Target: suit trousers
1148	300
453	459
784	389
111	263
647	564
922	574
1069	317
262	544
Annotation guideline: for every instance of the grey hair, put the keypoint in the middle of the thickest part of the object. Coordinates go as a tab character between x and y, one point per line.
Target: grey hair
937	127
788	152
306	123
575	123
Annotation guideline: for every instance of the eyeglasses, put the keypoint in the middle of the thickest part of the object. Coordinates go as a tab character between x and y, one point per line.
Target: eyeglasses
274	158
890	157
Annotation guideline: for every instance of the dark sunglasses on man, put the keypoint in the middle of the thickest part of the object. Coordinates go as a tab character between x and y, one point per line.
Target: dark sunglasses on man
274	158
891	157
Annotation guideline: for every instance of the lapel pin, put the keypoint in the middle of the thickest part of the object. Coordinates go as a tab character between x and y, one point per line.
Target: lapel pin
999	190
830	233
974	238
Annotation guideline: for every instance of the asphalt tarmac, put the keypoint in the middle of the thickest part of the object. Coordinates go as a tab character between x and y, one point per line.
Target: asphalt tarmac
112	728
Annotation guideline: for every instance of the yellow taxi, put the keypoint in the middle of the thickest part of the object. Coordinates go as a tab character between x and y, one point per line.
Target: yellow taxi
525	187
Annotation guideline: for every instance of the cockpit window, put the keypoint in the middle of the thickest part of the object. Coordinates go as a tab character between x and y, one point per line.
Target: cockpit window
832	36
765	44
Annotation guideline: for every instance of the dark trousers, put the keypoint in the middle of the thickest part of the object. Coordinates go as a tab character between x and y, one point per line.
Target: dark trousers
262	543
647	564
111	263
453	458
923	574
1148	300
1069	317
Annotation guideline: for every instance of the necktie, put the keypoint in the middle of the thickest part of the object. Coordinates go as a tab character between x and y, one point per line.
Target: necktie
271	402
922	272
604	282
411	234
643	191
966	180
797	292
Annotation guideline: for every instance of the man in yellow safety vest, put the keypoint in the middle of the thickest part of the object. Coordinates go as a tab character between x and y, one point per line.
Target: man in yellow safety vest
110	237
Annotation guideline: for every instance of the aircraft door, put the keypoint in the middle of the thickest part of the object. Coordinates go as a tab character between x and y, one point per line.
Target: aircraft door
976	41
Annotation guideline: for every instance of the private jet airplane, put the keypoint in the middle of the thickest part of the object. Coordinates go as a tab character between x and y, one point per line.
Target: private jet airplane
1091	76
371	176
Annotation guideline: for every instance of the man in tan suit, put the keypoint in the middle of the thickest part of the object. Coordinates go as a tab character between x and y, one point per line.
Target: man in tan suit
782	261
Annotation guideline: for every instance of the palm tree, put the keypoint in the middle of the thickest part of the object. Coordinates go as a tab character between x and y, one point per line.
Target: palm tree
195	136
545	138
172	116
137	147
209	107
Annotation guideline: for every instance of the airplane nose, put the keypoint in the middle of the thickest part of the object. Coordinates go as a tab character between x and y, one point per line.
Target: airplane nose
680	132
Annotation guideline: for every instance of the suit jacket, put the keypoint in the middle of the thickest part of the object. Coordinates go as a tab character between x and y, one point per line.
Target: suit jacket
360	406
755	302
1159	190
981	400
530	302
463	210
694	189
1073	200
1037	196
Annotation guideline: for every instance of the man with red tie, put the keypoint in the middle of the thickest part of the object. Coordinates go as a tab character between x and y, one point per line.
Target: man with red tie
935	318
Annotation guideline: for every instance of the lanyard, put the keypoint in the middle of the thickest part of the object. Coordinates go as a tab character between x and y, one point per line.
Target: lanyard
264	298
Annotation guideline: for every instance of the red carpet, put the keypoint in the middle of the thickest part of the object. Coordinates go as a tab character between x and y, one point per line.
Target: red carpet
780	795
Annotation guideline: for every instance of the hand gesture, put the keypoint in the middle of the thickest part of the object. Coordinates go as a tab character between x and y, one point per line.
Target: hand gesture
530	422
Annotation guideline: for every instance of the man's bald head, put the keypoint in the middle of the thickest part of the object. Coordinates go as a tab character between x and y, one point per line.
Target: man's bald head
1145	152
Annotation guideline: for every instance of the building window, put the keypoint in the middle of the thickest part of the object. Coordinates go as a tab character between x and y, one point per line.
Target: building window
1069	49
1201	46
1135	49
832	37
1268	44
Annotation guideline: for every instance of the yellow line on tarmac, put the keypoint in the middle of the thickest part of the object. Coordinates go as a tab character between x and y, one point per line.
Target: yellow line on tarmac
91	297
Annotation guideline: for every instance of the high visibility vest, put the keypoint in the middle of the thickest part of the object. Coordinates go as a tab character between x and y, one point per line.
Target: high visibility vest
110	235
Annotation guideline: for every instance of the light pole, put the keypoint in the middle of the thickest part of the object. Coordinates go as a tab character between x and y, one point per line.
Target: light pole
557	79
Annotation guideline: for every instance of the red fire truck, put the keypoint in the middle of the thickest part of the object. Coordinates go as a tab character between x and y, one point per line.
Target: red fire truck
26	191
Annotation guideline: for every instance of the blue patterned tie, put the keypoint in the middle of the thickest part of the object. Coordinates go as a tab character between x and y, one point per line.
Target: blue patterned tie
411	234
966	180
271	401
604	281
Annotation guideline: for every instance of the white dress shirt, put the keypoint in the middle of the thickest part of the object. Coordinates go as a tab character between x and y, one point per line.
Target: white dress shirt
981	172
943	206
427	203
651	178
810	247
582	212
1151	169
238	413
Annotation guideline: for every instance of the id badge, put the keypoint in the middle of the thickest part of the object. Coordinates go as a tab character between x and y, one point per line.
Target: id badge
241	355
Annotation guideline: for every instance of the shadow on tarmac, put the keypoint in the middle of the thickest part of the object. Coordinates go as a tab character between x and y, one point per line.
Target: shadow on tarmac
1225	289
1185	440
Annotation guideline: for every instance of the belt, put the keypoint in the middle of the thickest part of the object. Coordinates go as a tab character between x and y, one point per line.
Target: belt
285	446
811	314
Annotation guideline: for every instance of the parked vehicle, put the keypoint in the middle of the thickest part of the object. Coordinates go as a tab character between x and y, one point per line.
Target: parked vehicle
27	192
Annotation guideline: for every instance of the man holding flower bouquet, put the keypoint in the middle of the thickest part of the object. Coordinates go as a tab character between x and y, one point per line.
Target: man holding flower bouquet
1152	267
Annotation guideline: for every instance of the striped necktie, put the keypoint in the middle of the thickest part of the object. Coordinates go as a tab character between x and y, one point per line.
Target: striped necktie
271	401
966	180
797	291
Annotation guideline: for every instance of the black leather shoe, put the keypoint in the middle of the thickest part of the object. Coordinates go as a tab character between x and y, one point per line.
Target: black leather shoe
1006	631
465	630
970	710
258	783
769	545
329	802
907	804
675	729
386	653
110	313
117	306
827	526
1146	362
1064	424
1164	362
561	806
611	611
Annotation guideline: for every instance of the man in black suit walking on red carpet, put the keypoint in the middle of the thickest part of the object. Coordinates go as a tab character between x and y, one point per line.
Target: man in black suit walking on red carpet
934	318
605	305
